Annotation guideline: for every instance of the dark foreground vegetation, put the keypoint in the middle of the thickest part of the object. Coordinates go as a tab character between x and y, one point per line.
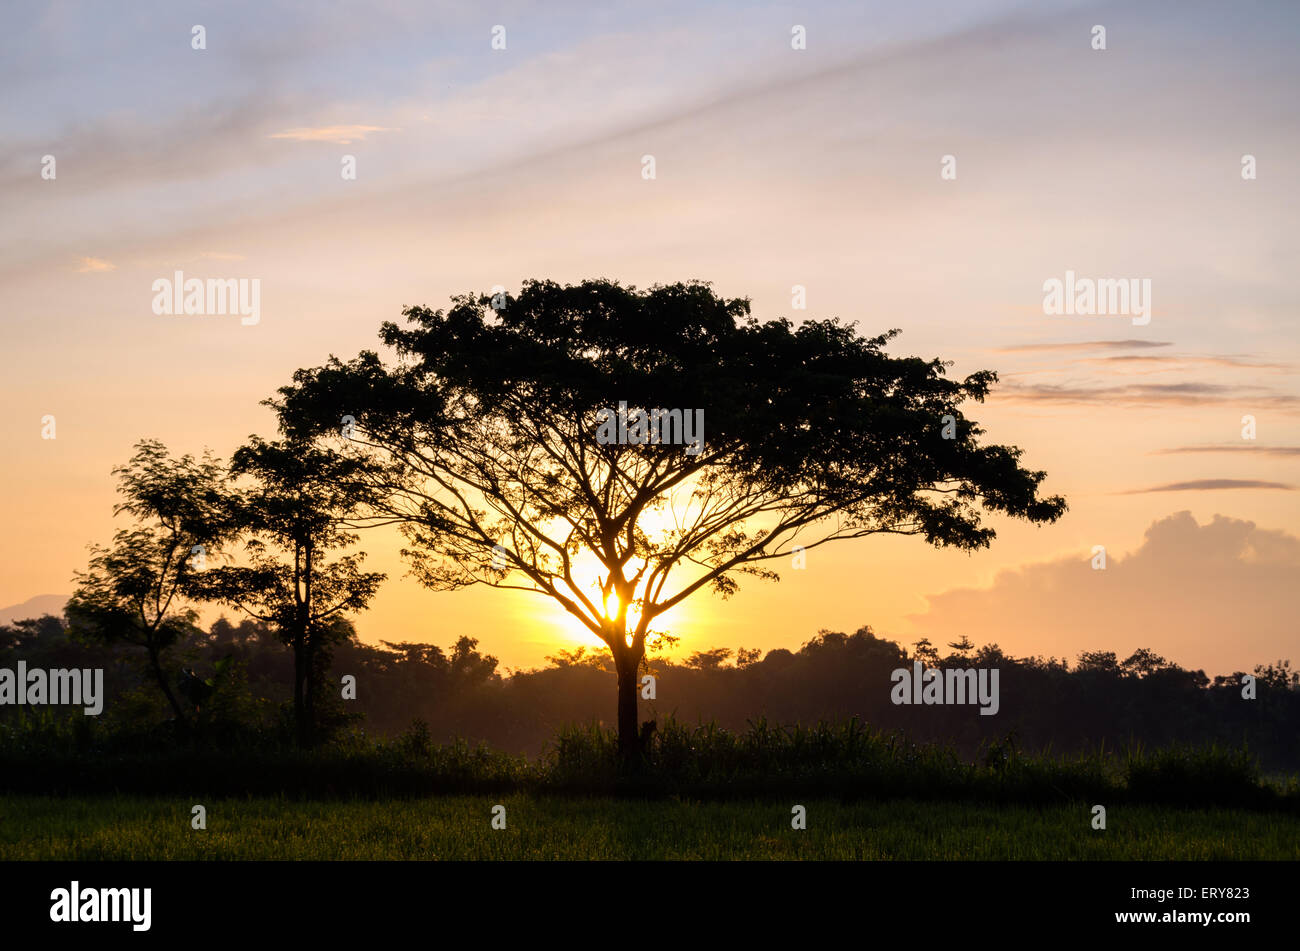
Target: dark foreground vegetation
1135	733
846	761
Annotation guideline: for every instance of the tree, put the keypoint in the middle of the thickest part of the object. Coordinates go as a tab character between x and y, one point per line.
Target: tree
507	463
1277	676
1103	662
925	652
1143	663
963	647
712	659
136	591
292	517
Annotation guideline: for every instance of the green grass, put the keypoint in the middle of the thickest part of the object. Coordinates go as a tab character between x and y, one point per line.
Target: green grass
555	827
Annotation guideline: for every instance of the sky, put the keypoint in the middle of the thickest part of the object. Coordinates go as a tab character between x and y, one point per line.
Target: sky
922	166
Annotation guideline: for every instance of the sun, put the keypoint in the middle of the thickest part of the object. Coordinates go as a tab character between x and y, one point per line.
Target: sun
588	572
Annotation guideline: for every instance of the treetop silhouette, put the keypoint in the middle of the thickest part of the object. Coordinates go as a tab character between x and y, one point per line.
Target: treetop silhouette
482	436
137	590
292	518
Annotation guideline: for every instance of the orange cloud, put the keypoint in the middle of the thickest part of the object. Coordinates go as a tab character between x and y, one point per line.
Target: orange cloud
1085	345
95	266
1262	450
338	134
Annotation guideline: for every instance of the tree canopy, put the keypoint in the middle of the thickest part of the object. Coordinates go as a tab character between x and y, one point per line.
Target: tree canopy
487	430
137	590
291	518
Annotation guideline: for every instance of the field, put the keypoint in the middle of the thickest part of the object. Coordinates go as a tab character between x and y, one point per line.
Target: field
573	828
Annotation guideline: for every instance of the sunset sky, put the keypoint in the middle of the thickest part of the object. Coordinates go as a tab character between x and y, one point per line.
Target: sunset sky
775	167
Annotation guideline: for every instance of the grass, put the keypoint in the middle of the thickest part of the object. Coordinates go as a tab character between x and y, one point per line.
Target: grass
77	792
548	827
773	763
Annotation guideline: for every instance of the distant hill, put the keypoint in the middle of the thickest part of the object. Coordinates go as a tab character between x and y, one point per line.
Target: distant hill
34	607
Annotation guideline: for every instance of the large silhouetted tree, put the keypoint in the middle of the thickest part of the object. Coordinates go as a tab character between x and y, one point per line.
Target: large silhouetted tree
136	590
293	515
493	425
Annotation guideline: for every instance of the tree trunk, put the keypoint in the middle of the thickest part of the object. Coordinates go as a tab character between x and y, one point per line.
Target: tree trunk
626	665
309	697
155	661
299	684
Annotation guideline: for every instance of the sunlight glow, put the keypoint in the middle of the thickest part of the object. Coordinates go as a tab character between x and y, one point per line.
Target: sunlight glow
568	630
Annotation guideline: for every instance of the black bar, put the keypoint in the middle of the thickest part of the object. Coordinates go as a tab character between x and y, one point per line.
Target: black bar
319	899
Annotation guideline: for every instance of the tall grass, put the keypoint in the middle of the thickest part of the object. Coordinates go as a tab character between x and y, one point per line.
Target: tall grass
852	760
847	760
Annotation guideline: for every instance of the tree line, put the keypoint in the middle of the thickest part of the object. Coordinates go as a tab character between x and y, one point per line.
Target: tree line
237	678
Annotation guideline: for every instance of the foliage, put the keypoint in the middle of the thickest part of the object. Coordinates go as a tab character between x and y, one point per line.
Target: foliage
290	520
487	433
135	591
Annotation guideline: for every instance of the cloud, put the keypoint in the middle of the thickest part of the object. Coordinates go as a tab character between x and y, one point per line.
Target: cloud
1086	345
338	134
1209	484
95	266
1261	450
125	149
1145	394
1217	596
1174	362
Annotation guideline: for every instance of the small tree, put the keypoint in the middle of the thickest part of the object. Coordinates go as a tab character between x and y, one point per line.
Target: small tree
1143	663
961	648
925	652
503	463
135	591
292	517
